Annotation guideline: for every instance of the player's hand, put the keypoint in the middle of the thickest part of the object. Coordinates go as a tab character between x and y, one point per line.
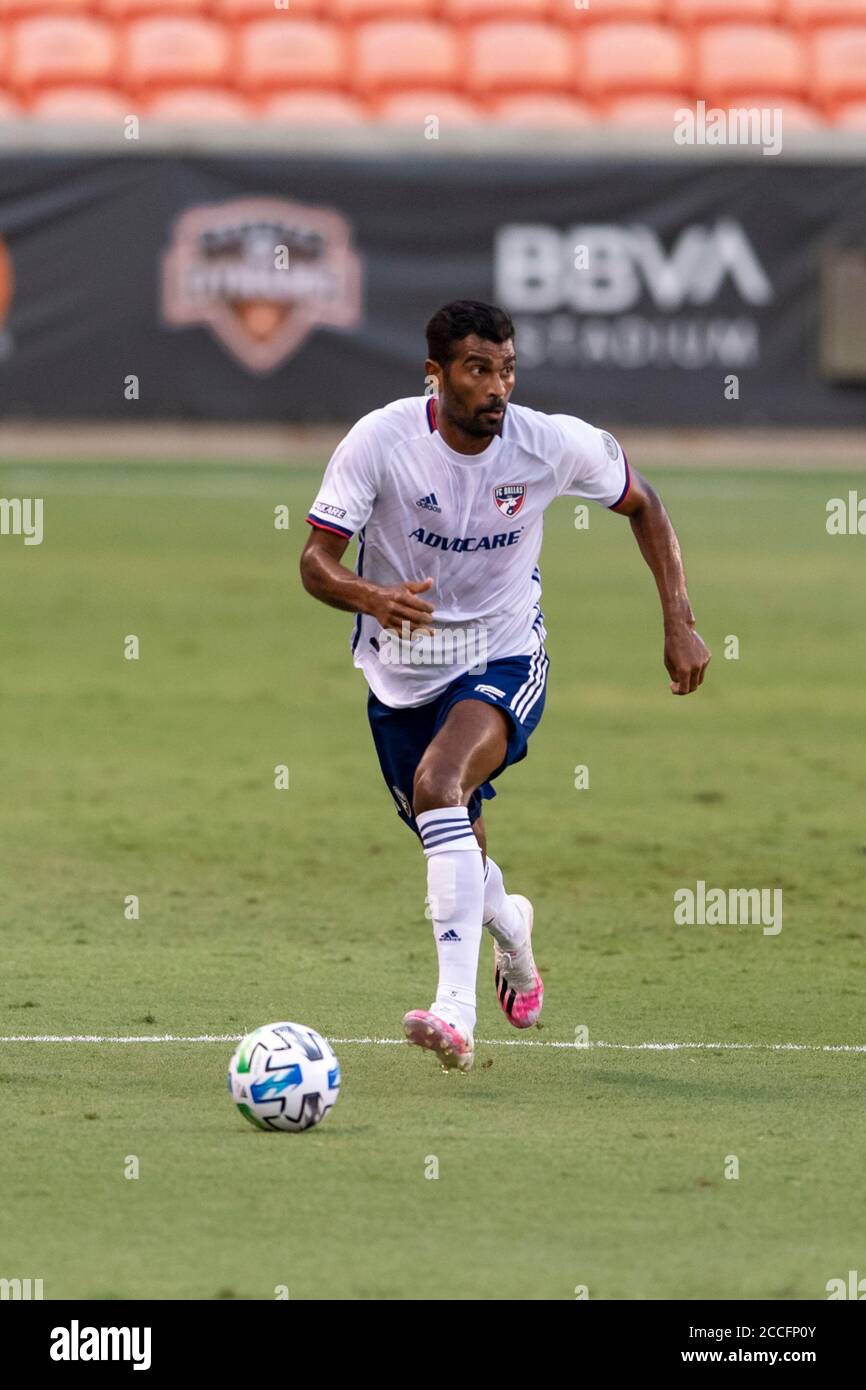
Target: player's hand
395	604
686	658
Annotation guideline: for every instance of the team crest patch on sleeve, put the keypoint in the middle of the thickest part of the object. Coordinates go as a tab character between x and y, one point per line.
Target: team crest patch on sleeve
610	445
509	498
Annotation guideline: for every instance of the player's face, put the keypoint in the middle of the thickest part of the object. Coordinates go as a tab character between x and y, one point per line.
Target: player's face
476	385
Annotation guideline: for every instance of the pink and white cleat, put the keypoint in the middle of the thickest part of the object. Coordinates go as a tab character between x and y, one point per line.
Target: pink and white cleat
519	987
453	1045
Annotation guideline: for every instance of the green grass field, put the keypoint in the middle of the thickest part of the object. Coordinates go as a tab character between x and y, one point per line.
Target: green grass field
558	1167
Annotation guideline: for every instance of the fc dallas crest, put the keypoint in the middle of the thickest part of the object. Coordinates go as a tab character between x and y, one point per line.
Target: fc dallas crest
509	498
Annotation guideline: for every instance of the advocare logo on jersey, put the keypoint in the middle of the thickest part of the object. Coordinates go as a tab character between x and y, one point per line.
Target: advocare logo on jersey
261	274
616	294
76	1343
465	544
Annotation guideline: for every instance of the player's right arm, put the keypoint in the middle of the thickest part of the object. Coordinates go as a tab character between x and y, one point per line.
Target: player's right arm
326	579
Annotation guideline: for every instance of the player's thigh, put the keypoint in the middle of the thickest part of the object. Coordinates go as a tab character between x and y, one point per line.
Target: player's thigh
470	746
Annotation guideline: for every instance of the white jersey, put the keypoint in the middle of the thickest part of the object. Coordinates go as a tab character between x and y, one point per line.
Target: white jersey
471	522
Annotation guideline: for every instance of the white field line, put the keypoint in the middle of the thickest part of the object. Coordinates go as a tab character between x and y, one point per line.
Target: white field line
486	1042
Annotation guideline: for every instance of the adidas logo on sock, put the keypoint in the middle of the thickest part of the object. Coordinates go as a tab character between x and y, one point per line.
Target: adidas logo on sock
429	503
450	936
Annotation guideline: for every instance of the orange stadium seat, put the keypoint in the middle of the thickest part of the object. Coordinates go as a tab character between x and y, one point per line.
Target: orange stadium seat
603	11
519	57
199	104
796	115
545	111
806	14
232	10
19	9
59	48
81	104
837	59
138	9
691	13
851	115
392	54
9	107
653	111
354	10
162	52
412	108
735	58
614	59
314	108
473	11
291	53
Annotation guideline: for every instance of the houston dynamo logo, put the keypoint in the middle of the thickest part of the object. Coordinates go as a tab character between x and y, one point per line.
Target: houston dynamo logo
509	498
261	274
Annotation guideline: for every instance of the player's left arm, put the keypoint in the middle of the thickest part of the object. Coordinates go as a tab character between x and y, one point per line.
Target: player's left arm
686	656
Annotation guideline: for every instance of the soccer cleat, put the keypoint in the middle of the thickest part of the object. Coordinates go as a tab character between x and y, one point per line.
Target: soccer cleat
453	1046
519	987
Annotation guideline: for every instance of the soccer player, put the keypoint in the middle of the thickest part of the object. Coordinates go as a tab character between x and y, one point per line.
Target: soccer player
447	493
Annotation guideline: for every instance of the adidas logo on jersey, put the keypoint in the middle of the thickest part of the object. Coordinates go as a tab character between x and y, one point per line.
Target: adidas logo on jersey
450	936
429	503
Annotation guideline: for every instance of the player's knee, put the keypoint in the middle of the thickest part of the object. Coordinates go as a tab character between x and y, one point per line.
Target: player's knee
434	787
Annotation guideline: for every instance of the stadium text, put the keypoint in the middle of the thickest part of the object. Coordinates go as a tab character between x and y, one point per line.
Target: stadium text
75	1343
750	125
22	516
736	907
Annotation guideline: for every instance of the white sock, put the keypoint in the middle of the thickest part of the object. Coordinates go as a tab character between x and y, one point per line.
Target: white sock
502	917
455	899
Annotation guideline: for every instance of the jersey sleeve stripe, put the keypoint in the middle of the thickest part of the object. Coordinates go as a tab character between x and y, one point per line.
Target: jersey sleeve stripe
329	526
624	494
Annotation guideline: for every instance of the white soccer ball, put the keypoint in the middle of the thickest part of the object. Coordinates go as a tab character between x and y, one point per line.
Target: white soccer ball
284	1076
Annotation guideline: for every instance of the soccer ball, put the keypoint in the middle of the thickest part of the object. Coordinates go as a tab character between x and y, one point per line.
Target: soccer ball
284	1076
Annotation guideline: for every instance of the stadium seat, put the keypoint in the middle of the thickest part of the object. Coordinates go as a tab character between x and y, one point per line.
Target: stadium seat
653	111
392	54
199	104
692	13
21	9
355	10
231	11
544	111
140	9
604	11
520	57
9	107
851	115
735	58
837	59
807	14
314	108
796	115
413	107
291	53
163	51
81	104
61	48
474	11
614	59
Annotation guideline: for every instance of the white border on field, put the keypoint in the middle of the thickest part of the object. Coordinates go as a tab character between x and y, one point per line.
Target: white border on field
485	1042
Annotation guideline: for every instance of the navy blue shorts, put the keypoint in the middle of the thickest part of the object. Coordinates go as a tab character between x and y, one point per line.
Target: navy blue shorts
516	684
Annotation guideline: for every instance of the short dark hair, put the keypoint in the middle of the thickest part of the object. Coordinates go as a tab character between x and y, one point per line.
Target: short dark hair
457	320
